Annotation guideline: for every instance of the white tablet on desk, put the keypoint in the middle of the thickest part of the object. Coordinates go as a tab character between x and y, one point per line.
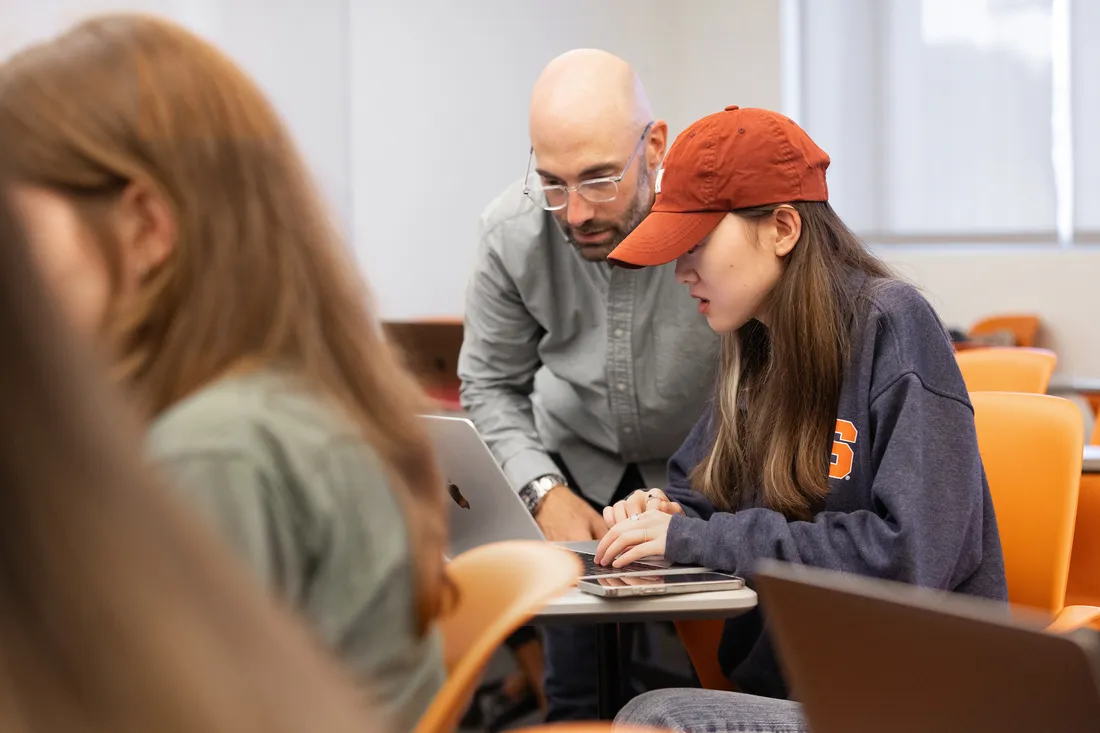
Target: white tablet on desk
659	584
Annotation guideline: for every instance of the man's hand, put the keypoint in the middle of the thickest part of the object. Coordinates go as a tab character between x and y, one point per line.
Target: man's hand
566	517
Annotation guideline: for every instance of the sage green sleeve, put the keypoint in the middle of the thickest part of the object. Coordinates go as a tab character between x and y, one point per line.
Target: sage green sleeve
290	484
235	495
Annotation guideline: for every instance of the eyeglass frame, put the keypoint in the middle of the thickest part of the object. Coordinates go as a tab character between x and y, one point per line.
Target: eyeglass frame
602	179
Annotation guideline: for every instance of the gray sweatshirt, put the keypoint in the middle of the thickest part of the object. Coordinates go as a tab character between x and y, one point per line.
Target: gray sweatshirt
914	506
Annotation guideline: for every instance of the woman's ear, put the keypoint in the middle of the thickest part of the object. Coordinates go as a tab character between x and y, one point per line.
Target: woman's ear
788	229
146	228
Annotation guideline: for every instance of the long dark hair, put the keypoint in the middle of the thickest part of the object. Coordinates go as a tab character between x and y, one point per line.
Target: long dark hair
779	386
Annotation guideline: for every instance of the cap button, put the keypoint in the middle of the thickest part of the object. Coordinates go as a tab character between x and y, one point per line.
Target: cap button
732	107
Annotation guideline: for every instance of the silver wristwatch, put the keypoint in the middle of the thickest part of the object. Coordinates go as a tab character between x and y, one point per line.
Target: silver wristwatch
534	492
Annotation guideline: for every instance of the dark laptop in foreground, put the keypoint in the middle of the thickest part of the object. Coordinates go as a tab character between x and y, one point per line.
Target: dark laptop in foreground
865	655
485	508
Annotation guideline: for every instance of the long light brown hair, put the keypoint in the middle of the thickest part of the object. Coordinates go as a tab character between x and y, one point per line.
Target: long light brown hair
258	274
779	387
120	611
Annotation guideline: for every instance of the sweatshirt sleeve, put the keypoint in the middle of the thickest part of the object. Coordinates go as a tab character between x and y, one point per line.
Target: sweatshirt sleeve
693	451
927	492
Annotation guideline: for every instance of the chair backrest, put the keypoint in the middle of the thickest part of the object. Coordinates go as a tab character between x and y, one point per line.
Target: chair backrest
1031	447
500	587
1007	369
1024	327
1084	564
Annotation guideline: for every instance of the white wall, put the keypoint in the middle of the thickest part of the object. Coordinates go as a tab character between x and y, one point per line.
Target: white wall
296	51
456	90
1062	286
413	114
439	111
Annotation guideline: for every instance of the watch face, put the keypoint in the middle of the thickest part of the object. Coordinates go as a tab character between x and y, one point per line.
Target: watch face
533	492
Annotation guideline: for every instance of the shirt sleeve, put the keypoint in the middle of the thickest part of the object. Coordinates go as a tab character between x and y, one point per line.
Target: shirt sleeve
497	366
927	492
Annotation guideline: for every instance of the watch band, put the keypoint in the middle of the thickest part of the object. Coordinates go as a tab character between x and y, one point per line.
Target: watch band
535	491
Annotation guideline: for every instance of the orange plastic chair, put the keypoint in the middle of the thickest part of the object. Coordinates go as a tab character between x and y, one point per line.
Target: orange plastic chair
700	638
1007	369
1031	446
1024	327
1084	564
497	593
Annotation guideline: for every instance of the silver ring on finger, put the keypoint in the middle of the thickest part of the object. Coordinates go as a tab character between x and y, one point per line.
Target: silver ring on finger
645	534
634	517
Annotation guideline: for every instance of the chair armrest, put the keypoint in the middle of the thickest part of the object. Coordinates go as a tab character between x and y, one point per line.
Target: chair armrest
1073	617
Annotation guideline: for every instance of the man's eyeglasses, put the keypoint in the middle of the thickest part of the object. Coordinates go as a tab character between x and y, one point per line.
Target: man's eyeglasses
594	190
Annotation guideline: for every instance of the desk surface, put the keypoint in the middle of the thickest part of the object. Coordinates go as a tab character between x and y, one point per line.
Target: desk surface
1091	462
578	606
1069	385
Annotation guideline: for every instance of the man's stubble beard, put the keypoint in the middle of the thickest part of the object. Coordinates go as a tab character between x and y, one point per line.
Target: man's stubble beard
632	217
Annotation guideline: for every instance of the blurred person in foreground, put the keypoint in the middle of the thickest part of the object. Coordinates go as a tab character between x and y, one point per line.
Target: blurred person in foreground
176	224
119	612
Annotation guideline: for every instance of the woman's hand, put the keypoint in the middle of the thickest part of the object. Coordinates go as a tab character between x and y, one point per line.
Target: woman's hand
639	502
641	535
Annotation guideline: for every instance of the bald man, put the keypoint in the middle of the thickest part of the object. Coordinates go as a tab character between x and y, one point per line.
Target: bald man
582	378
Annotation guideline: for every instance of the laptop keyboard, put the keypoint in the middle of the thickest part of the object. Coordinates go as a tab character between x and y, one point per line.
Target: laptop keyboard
591	568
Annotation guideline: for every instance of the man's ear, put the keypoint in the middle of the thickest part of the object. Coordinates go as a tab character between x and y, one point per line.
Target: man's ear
656	145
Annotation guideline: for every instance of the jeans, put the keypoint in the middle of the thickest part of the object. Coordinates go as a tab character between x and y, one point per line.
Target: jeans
712	711
571	652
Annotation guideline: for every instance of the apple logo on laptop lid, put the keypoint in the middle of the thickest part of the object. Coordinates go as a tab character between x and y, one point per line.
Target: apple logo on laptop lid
456	494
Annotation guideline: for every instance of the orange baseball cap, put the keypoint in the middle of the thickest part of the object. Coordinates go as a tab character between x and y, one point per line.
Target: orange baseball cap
733	159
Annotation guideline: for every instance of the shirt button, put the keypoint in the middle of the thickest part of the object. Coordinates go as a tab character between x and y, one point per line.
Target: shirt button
628	430
621	386
618	333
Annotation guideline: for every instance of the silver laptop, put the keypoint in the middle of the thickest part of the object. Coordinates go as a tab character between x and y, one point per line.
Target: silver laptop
866	655
484	506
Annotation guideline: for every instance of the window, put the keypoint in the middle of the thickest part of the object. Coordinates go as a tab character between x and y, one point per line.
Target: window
955	121
1084	78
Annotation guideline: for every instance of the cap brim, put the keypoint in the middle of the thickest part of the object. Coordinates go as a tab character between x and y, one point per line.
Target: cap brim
663	236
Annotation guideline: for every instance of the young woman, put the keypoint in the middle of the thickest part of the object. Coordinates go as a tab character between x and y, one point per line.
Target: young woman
119	611
840	434
174	219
